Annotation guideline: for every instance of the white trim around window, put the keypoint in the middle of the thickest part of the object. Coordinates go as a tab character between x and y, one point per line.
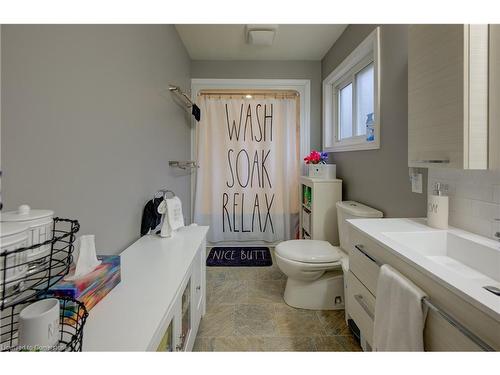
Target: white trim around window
366	53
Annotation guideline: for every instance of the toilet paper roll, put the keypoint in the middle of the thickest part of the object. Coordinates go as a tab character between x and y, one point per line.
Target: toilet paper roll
39	325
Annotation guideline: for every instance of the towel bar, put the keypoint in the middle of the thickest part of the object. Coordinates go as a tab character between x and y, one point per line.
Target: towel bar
178	91
466	332
186	164
471	336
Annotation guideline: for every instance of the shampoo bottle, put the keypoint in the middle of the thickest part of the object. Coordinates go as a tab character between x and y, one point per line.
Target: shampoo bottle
437	208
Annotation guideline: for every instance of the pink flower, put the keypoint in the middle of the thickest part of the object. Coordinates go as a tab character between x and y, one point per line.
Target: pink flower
316	157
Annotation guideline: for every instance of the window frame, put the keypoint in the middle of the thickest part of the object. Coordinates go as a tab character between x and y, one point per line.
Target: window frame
367	52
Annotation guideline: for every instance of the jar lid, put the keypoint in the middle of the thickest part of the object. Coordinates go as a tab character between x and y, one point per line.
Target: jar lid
9	229
25	213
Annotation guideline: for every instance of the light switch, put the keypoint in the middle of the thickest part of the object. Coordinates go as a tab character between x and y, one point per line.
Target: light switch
416	183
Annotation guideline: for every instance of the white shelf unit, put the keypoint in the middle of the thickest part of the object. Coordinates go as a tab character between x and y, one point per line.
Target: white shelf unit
318	217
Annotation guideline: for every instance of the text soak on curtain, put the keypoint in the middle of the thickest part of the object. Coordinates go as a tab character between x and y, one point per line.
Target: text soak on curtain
247	183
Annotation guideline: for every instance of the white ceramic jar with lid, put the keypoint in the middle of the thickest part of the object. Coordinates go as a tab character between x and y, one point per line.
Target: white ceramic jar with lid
40	225
14	266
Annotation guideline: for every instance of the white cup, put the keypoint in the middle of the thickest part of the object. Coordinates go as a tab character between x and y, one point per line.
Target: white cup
39	325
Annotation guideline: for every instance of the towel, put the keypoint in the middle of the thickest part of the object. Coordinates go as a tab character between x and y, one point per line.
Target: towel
151	218
171	209
196	112
399	313
174	213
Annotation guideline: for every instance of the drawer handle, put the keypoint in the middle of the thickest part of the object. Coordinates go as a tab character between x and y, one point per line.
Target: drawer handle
361	248
433	161
359	298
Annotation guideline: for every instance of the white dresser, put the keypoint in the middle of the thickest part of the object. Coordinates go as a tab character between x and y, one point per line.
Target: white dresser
160	299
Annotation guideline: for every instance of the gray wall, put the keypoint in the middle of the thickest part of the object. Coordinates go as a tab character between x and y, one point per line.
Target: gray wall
379	178
270	70
87	128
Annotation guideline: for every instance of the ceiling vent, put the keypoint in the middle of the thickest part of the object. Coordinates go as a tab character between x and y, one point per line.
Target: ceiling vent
261	35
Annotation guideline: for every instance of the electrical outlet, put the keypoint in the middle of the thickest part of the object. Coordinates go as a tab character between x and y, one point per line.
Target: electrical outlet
416	183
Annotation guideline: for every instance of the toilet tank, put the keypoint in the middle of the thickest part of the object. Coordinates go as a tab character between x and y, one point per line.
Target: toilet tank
352	210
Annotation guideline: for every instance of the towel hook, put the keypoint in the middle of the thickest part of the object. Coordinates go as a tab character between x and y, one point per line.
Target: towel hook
163	193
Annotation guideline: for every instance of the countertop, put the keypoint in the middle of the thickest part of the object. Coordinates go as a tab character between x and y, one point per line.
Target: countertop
152	269
465	288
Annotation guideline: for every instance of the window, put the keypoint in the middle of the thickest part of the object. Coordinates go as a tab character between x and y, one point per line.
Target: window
351	100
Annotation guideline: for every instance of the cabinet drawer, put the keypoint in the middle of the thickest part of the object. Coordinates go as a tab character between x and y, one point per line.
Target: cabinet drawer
361	306
362	260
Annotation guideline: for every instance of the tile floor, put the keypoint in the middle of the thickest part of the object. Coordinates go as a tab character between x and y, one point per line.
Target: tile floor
246	312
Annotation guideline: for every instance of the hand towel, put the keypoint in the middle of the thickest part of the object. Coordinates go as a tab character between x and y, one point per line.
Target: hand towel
399	313
166	229
174	213
172	216
151	218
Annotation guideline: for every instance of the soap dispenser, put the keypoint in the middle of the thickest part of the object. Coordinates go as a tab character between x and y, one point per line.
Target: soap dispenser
437	207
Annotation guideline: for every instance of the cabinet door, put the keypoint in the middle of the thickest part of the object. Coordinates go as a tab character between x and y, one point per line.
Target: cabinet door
198	287
170	336
448	96
185	316
494	98
435	94
197	284
167	343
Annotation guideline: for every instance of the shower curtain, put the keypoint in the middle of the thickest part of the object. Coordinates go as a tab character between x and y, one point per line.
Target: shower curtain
247	183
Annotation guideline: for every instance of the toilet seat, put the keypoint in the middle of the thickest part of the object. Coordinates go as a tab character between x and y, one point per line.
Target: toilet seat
308	267
309	251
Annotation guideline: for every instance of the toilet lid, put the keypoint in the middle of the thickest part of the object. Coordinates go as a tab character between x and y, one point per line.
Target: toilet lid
309	251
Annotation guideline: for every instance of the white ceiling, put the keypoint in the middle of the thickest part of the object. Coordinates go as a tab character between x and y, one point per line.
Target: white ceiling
228	42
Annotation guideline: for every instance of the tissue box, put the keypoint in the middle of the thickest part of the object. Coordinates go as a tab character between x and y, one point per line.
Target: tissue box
93	287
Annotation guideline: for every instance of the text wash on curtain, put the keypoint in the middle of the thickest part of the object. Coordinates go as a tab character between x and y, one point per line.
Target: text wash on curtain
246	186
240	163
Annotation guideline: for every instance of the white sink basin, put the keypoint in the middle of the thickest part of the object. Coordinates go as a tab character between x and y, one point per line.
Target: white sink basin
460	261
472	260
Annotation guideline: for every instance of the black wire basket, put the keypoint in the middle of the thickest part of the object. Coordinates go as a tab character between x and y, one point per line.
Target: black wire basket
73	315
40	274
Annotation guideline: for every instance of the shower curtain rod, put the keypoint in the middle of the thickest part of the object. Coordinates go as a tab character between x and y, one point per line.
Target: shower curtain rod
265	93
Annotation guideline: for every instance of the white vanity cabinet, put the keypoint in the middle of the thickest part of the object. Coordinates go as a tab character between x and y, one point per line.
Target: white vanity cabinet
365	254
160	300
448	83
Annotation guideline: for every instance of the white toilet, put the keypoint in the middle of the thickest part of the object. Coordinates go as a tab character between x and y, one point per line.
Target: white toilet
315	268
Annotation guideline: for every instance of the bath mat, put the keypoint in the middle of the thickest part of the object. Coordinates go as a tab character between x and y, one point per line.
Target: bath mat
239	257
